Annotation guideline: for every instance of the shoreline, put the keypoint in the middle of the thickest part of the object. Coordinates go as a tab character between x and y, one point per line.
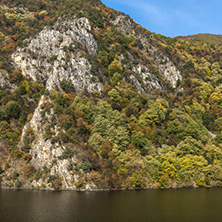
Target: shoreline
107	190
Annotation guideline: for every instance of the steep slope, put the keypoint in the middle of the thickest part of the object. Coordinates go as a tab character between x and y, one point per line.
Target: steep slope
91	100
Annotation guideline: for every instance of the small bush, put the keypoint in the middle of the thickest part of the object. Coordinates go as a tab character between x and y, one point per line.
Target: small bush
67	86
12	110
68	153
1	170
37	174
86	166
15	175
71	166
18	183
26	146
21	90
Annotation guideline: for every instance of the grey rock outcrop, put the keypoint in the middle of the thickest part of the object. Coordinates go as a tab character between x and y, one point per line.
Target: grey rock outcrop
148	81
166	68
4	80
52	56
45	154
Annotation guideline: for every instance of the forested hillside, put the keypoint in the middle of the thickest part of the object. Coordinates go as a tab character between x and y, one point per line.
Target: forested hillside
91	100
209	38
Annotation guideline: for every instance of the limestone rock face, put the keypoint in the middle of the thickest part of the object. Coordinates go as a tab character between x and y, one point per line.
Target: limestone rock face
166	68
148	81
4	80
47	155
169	71
53	56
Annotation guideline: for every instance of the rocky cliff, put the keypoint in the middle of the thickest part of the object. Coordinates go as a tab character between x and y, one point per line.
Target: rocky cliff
46	59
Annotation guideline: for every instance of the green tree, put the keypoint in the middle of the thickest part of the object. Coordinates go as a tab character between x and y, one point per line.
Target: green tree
139	140
12	110
114	96
15	175
86	166
67	85
18	183
190	146
115	66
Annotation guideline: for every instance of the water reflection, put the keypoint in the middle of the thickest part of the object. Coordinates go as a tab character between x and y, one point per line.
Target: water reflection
185	205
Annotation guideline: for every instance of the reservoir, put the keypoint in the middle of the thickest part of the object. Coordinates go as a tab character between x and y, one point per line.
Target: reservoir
179	205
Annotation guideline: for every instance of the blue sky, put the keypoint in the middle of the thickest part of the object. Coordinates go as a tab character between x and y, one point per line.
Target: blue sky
173	17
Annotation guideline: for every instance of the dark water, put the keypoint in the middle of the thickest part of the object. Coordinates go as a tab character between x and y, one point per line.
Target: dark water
184	205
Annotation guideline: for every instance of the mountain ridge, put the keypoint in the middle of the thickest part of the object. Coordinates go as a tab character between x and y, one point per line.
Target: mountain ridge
210	38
